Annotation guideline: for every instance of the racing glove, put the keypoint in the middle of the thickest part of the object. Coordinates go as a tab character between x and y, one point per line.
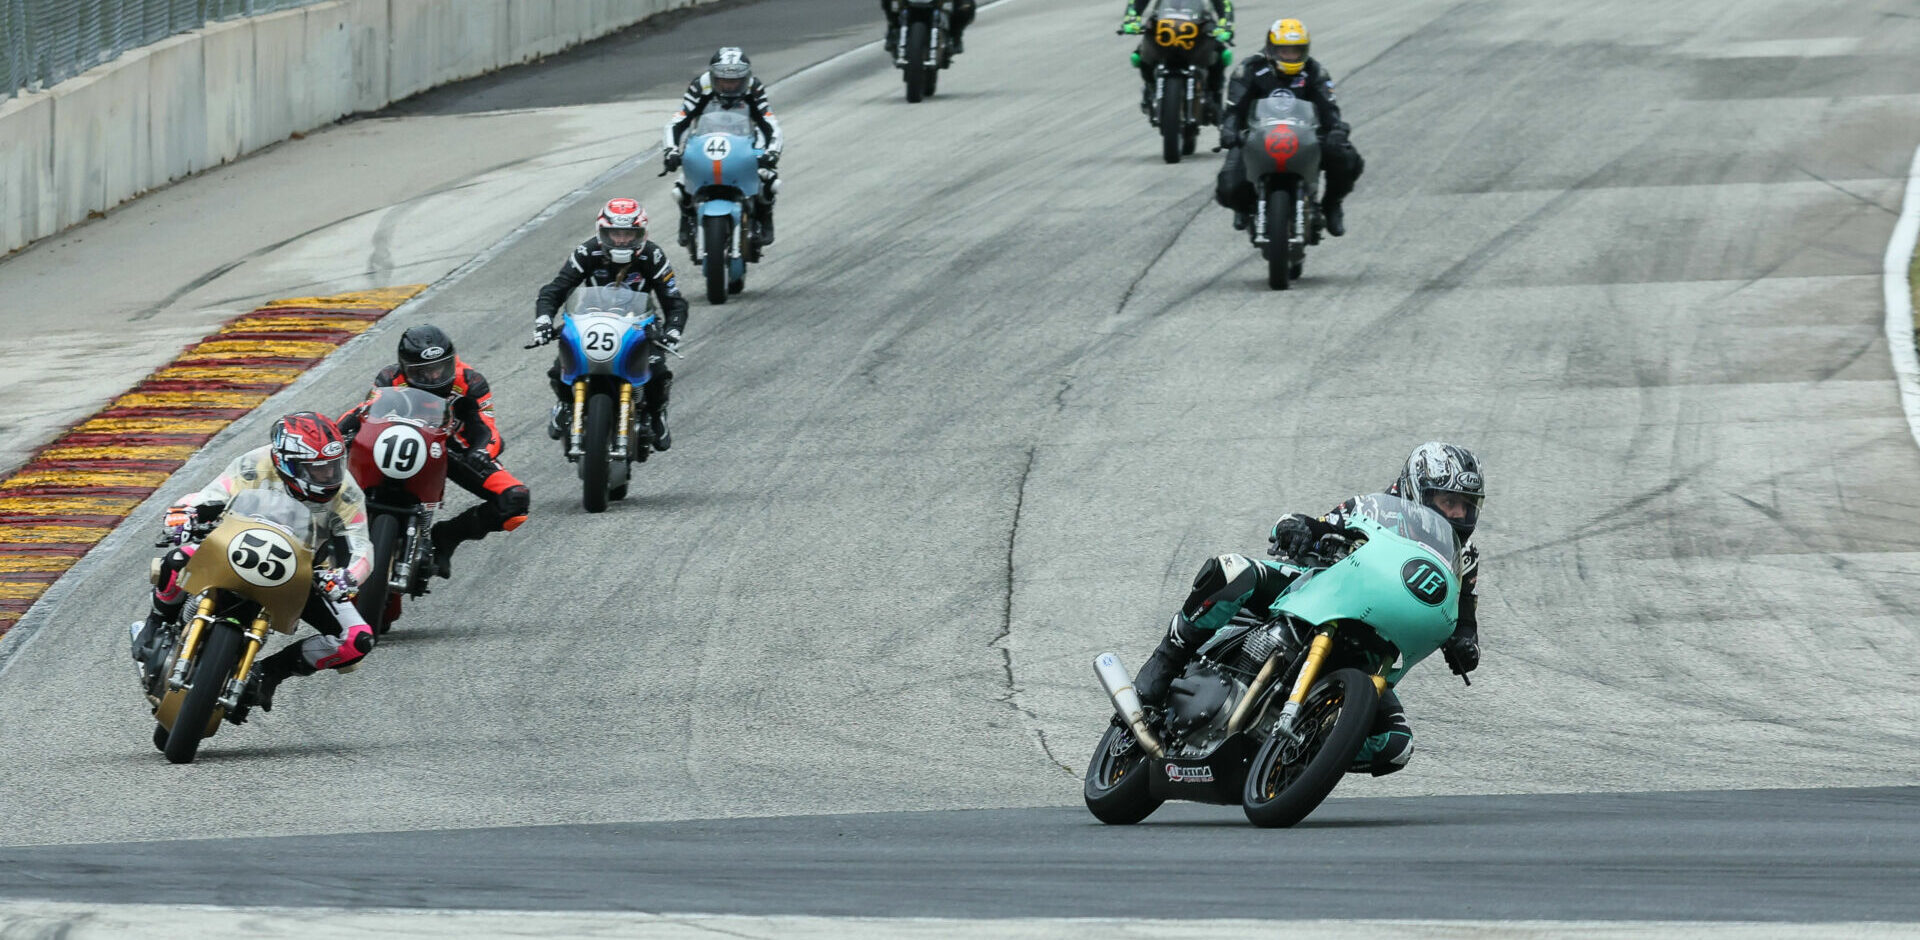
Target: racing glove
542	330
770	159
1224	34
337	584
1131	25
672	158
1462	652
671	340
1292	536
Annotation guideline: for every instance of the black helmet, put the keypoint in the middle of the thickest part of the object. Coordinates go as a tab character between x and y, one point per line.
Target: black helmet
1437	467
426	358
731	73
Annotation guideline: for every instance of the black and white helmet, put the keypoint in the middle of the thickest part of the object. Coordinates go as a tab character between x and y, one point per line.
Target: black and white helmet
1438	467
732	75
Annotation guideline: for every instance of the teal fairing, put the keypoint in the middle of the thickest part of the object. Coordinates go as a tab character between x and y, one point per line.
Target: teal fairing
1402	580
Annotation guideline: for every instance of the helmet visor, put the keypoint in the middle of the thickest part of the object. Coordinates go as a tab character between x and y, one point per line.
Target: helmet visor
323	475
1461	509
436	373
729	87
620	238
1290	54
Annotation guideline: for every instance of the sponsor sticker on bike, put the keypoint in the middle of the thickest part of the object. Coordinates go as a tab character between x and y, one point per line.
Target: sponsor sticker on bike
1179	774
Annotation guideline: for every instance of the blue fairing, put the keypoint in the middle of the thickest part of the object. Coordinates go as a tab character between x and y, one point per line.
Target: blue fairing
631	362
573	363
735	174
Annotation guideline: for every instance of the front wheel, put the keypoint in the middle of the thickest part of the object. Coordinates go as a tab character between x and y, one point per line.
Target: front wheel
916	72
219	653
372	602
1117	790
1278	249
1288	780
594	463
1171	126
718	230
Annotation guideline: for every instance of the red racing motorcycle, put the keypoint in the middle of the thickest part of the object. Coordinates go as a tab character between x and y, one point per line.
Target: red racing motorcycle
399	458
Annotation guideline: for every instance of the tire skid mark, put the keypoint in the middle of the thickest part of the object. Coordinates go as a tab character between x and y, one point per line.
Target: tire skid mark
76	489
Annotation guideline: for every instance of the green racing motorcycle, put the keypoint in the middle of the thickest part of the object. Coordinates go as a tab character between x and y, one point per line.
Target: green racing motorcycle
1274	709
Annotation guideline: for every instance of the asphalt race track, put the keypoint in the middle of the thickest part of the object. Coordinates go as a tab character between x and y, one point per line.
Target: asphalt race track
1005	381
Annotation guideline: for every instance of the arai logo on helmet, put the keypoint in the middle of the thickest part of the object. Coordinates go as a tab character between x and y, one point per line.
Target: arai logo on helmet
333	449
1470	481
432	352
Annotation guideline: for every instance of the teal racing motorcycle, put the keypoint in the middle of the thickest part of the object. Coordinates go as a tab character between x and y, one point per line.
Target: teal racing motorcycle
1273	710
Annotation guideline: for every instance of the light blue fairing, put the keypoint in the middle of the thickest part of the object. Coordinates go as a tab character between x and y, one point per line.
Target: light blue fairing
1381	582
720	185
630	359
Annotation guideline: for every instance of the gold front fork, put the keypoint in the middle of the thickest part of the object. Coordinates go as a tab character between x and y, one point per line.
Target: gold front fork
256	638
1309	672
626	420
190	644
579	417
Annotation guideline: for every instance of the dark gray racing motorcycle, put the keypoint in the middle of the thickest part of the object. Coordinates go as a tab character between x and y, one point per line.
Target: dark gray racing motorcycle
1282	157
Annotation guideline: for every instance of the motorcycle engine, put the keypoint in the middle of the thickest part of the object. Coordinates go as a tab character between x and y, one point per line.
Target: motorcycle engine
1199	704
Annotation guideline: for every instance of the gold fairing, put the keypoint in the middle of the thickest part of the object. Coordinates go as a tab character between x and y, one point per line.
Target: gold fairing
211	569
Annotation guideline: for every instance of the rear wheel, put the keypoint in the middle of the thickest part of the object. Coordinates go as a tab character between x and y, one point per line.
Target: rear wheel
1116	790
718	230
1278	249
916	71
594	467
1288	780
219	653
1172	128
385	533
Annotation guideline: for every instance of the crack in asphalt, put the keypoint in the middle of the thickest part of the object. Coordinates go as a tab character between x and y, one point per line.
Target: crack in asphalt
1000	640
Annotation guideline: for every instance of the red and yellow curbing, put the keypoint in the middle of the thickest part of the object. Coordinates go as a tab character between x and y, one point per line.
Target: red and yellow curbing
77	489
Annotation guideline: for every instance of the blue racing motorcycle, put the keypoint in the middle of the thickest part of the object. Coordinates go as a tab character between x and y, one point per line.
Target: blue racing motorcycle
722	178
606	337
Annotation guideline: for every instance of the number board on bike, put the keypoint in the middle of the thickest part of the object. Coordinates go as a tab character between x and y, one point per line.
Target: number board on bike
1175	33
261	556
600	341
399	452
717	148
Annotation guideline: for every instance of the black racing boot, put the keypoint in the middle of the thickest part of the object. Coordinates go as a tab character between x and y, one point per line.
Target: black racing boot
147	636
662	435
686	228
1336	219
1241	220
1168	661
958	46
270	672
560	422
1146	99
766	226
893	37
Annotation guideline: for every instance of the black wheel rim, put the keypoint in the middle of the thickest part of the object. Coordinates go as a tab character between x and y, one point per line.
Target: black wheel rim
1118	755
1317	718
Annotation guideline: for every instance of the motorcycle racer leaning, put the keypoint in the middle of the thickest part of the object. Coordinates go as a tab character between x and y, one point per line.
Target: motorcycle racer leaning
619	255
1132	22
427	362
1443	477
306	458
1283	68
727	83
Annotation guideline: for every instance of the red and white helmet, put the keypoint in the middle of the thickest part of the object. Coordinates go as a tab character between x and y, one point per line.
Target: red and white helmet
623	226
310	454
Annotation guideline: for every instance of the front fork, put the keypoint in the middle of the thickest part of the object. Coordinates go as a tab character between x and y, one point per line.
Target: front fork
190	644
626	422
256	638
574	445
1309	672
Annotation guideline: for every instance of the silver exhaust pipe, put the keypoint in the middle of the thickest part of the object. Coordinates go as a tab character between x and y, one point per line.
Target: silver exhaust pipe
1119	685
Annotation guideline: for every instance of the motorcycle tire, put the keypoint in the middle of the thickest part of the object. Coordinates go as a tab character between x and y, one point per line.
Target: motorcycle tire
372	602
1334	739
597	443
719	234
1172	128
219	654
1278	249
160	737
1117	790
915	70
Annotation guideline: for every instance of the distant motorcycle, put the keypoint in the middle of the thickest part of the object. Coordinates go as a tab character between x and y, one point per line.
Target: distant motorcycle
606	341
251	572
399	457
722	174
1282	157
924	44
1178	42
1271	714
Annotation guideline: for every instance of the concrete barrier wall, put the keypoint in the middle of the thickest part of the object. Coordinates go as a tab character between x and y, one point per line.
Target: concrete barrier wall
203	98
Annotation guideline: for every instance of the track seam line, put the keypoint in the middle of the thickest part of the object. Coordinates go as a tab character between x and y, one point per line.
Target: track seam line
1898	286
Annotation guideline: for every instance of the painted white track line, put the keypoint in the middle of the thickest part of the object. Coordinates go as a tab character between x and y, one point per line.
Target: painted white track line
168	922
1899	291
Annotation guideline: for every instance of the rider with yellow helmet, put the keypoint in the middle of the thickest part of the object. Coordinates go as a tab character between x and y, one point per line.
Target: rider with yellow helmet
1283	65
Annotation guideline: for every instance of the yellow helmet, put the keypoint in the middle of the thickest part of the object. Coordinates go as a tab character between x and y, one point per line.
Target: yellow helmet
1285	37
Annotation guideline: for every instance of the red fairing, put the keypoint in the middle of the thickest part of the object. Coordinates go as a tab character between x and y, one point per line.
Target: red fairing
412	457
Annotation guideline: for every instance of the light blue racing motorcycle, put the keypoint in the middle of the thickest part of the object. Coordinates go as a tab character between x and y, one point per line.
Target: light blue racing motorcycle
606	339
721	167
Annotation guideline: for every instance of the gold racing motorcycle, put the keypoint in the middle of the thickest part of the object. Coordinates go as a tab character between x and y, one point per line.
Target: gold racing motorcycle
252	573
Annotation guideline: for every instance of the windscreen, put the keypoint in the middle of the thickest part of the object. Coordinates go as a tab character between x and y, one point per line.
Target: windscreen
1192	9
1414	521
609	299
719	121
407	404
277	508
1282	106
